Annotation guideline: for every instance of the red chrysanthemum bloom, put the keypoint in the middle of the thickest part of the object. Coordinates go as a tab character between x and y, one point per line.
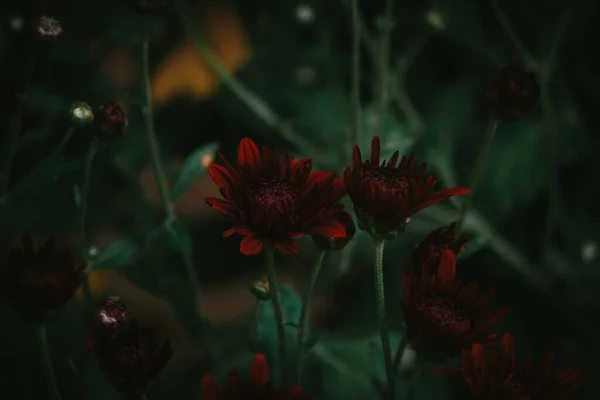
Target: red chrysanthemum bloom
112	121
38	281
428	253
129	356
515	92
274	199
444	316
498	376
385	196
335	244
257	387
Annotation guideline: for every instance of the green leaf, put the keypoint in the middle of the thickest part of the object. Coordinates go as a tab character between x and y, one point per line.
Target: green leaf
291	305
395	134
177	237
193	167
120	253
472	247
515	170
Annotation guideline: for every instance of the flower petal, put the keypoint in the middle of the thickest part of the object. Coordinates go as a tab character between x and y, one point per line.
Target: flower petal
211	390
251	245
447	267
248	153
220	176
375	152
436	197
223	207
286	246
259	370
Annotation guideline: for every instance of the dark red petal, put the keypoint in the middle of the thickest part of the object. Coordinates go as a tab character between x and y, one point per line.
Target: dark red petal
334	230
375	152
236	385
223	207
211	390
220	176
287	246
259	370
248	153
572	376
356	157
436	197
236	229
393	160
251	245
447	268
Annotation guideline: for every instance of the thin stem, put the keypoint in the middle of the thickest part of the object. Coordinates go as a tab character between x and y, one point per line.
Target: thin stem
16	125
524	53
303	321
257	105
42	167
356	109
478	171
270	254
83	207
257	315
159	171
384	67
383	330
399	353
47	361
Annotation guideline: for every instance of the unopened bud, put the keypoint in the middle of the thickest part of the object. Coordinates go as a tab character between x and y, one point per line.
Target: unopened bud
260	289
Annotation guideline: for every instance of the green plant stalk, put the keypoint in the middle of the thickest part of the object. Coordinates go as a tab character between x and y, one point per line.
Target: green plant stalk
257	105
257	314
270	255
16	125
417	371
47	361
355	64
85	192
490	133
159	171
303	321
381	319
399	353
42	166
384	67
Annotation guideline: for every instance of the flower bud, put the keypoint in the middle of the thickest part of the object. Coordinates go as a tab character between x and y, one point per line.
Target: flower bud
331	244
81	113
48	28
428	253
260	289
515	92
110	319
112	121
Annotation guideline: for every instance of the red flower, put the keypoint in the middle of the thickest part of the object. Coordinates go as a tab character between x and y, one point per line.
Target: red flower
38	281
443	316
257	387
112	121
274	200
335	244
428	253
497	376
128	355
386	196
515	93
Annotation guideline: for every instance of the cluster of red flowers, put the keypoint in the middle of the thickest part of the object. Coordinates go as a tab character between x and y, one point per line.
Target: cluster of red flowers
274	199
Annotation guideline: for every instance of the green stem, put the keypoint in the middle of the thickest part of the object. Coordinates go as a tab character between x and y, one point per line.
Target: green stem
478	171
384	67
85	192
303	321
159	171
383	330
356	109
399	353
270	255
16	125
47	361
42	167
257	315
415	376
257	105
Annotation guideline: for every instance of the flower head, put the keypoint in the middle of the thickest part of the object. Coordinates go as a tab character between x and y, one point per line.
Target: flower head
335	244
81	113
112	121
428	253
498	376
48	28
39	281
129	356
385	196
515	93
256	387
444	316
275	199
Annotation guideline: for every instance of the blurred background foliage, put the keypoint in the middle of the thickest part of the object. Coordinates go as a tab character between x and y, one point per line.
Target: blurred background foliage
285	81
